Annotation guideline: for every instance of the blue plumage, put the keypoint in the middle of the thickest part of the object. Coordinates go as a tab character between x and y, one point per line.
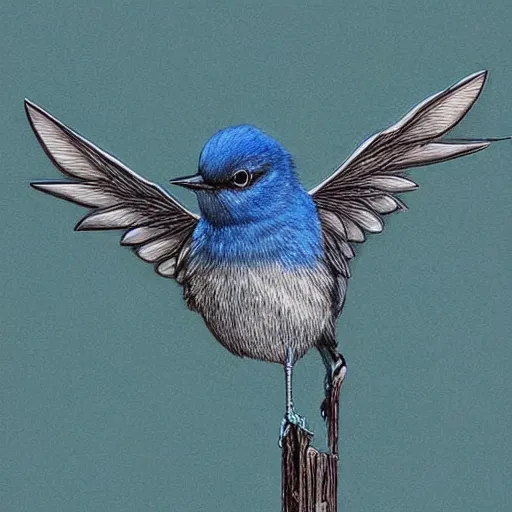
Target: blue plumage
275	210
241	146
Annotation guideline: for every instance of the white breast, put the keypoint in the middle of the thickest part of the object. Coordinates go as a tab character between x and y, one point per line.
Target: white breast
259	312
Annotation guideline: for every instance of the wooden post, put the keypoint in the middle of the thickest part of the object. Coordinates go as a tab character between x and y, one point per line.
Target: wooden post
310	477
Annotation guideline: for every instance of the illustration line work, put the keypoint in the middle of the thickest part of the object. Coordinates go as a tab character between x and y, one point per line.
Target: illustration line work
266	264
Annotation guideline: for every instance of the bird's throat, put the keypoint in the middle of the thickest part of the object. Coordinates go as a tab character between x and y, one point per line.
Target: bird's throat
287	241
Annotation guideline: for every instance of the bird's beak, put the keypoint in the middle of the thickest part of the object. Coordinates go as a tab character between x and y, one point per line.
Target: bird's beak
194	182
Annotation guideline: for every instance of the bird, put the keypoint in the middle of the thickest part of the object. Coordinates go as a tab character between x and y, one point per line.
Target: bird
267	262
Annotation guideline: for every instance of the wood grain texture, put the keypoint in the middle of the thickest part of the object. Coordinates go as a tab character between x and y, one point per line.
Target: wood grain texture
310	477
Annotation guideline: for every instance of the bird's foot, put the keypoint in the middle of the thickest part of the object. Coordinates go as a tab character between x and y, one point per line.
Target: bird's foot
292	418
336	374
324	408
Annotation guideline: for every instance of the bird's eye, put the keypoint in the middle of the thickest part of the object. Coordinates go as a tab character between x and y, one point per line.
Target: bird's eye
241	178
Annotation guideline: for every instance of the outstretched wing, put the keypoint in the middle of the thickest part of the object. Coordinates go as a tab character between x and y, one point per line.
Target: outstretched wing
353	199
157	227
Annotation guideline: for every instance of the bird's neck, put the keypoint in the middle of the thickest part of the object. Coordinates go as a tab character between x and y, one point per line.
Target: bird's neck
291	239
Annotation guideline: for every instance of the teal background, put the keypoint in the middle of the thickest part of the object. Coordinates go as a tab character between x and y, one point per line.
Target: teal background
115	397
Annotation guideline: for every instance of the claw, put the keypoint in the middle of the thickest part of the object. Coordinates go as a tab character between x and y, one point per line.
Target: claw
283	431
324	408
327	383
337	371
292	418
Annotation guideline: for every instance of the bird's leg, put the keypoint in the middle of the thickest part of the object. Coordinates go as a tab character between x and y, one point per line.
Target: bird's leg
290	416
335	368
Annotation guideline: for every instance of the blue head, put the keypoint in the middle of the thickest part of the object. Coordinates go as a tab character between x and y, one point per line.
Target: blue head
244	176
247	189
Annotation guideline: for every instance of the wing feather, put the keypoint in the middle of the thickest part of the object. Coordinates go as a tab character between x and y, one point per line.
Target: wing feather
156	225
353	199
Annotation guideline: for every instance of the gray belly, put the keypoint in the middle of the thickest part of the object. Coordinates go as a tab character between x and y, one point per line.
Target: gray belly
259	313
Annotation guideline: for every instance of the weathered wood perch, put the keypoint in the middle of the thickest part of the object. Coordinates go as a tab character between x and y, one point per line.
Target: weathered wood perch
310	477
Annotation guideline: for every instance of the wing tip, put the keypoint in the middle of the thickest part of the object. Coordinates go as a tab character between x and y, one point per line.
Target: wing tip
28	104
126	242
483	73
490	140
30	108
473	77
80	225
86	223
45	186
475	144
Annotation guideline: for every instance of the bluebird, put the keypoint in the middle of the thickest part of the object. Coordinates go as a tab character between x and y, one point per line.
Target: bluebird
266	264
